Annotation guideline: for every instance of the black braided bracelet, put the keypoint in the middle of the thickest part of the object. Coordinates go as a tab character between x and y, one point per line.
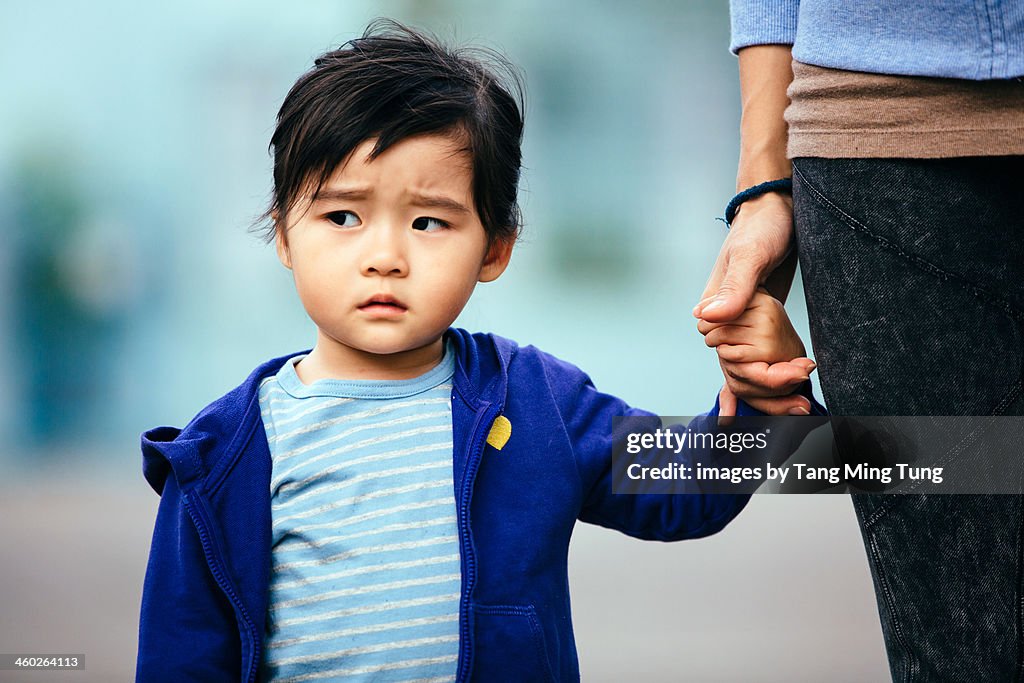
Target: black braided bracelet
780	185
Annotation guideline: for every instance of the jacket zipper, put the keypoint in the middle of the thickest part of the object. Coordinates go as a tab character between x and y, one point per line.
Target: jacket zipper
195	512
484	419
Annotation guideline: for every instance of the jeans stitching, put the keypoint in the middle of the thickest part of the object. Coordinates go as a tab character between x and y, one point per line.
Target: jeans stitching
879	512
890	605
1020	596
1010	397
954	451
978	291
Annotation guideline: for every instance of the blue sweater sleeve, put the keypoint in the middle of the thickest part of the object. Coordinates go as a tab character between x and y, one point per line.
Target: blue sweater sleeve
587	416
938	38
187	629
762	22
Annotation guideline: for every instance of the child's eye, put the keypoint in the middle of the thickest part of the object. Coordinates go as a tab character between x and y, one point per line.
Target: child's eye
428	224
344	219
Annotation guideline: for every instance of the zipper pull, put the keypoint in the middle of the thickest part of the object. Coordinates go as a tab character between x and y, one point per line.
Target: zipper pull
501	432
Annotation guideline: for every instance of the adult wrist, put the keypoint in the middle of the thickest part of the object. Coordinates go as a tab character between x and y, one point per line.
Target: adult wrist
777	186
763	161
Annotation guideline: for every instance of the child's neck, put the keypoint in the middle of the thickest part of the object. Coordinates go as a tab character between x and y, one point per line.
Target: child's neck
330	359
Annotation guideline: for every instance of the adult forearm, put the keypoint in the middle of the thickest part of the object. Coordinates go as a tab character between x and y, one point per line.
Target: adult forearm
761	236
758	248
765	73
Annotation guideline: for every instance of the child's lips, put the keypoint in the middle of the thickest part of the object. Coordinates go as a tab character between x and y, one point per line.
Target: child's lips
383	304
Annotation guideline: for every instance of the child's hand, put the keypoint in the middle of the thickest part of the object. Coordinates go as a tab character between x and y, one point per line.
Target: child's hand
762	358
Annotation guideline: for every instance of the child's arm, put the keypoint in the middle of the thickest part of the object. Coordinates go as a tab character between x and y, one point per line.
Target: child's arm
187	630
588	419
592	434
762	359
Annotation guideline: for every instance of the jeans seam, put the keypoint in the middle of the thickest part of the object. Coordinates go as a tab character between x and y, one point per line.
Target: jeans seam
879	512
911	673
1009	398
883	509
1020	595
982	293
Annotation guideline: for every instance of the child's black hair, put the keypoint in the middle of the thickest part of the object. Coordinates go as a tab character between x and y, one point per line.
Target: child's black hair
392	83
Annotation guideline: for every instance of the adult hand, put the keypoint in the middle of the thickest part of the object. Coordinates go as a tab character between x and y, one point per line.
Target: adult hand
755	252
758	243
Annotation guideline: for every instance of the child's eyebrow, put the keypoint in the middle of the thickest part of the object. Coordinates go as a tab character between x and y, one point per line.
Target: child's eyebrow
416	199
328	194
438	202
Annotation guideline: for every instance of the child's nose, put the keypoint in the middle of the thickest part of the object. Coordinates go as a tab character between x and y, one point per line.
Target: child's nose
385	254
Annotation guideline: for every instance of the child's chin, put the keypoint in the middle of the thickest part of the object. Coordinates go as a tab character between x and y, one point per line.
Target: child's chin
394	347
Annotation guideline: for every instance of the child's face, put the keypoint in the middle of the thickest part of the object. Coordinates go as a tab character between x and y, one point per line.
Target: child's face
390	250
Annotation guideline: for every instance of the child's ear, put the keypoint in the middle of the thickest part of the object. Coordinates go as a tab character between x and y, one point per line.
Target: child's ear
496	260
281	242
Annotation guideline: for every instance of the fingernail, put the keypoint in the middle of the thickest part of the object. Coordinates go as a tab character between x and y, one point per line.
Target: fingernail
799	411
696	311
717	303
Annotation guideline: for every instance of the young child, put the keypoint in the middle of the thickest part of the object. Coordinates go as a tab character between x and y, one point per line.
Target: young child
395	503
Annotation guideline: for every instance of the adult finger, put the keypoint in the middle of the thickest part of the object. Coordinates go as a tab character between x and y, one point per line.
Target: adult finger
786	403
742	271
705	300
771	377
792	404
760	238
806	363
747	391
715	277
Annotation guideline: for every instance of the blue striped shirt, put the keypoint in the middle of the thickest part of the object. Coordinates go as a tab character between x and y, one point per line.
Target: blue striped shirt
365	579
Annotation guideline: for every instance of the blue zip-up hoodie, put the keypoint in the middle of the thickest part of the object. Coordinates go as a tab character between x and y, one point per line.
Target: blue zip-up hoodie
205	596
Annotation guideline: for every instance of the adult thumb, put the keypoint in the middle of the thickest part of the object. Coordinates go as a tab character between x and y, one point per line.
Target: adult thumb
734	293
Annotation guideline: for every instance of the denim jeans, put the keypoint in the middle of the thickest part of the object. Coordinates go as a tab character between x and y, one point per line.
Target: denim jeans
914	277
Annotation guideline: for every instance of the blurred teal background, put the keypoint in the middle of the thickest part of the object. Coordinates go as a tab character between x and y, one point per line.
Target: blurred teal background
133	156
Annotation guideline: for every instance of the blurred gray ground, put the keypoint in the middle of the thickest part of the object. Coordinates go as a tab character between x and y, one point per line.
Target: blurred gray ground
783	594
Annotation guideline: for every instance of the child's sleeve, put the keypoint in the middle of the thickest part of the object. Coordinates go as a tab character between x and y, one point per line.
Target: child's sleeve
187	628
587	415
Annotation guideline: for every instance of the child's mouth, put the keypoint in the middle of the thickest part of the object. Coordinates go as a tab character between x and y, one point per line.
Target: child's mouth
382	304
